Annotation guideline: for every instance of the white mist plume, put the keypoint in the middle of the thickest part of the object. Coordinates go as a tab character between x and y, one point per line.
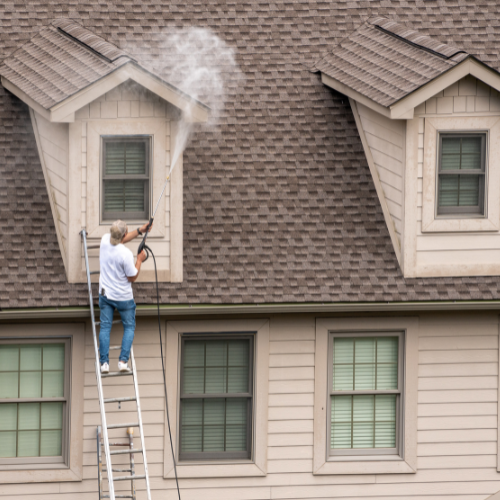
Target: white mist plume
199	63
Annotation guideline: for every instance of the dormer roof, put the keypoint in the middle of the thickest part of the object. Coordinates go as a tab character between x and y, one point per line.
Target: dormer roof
64	60
386	61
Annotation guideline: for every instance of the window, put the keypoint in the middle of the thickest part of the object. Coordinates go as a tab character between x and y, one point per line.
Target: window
461	174
125	178
365	394
34	386
216	397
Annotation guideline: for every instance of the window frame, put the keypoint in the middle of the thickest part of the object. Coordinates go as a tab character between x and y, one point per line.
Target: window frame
66	400
470	211
208	456
363	452
130	217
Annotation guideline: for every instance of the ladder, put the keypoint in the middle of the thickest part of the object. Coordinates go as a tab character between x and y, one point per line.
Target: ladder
103	438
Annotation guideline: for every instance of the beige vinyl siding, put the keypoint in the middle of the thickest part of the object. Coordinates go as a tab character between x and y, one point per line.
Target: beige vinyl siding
457	420
467	97
53	146
386	139
128	101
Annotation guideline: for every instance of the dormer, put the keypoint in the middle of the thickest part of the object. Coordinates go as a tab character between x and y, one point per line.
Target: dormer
428	115
105	129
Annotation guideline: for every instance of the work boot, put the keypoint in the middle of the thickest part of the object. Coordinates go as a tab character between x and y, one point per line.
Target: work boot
123	367
105	368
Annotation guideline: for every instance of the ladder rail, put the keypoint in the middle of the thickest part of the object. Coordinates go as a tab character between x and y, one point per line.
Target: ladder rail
139	420
98	374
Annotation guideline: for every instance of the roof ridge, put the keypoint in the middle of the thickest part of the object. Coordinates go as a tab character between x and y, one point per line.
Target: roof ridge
413	37
107	50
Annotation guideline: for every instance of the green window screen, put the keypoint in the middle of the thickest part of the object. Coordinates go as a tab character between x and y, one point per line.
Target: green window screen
125	157
362	364
461	179
363	421
214	420
31	429
126	178
214	425
365	363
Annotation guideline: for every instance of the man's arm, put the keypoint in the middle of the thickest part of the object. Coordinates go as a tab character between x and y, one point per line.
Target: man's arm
140	259
133	234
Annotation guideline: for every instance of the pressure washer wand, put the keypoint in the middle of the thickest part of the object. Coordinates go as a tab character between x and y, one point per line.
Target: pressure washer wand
142	245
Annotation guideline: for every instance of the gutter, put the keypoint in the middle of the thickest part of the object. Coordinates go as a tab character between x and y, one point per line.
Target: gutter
262	309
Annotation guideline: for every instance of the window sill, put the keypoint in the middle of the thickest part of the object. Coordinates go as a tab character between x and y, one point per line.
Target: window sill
364	458
365	465
217	469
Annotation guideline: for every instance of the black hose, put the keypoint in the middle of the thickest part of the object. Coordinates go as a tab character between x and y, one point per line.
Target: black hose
163	370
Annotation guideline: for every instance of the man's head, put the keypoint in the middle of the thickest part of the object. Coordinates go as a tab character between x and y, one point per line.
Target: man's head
118	231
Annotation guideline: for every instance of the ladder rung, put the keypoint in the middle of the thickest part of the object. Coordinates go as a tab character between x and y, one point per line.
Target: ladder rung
116	374
128	478
95	272
117	470
122	426
115	347
119	400
117	496
125	452
119	444
93	247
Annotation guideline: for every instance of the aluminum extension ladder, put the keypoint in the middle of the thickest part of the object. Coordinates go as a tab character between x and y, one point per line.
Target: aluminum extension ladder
102	402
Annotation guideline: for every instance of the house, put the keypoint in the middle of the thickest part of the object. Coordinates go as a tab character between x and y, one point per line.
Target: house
327	257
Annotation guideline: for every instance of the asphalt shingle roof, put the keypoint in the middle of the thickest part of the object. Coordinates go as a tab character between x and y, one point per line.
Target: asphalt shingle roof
386	61
279	204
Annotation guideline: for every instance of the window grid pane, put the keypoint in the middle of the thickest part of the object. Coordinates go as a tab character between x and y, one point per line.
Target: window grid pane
213	368
365	363
125	184
31	429
364	421
458	184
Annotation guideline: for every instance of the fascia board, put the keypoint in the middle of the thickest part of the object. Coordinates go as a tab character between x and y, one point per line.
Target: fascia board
198	112
187	311
400	109
353	94
60	111
25	98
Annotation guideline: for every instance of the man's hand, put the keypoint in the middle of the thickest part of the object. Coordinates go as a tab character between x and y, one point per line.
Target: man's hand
141	257
145	228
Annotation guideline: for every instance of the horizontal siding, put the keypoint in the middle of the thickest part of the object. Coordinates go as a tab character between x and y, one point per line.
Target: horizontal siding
54	143
457	422
468	96
386	139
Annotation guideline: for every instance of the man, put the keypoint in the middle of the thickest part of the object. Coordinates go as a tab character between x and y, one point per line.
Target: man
115	289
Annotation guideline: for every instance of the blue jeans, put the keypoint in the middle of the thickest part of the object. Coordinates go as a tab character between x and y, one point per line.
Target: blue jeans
126	308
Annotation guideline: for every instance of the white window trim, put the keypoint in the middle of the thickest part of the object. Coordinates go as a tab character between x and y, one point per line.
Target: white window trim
154	128
47	473
323	464
457	223
257	466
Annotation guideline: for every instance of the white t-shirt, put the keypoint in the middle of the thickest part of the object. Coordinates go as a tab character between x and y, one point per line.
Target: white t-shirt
117	263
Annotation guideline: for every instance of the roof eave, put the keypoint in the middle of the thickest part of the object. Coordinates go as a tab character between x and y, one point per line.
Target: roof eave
403	108
64	111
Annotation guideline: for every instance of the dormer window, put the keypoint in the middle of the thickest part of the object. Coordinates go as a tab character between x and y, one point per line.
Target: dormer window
461	174
125	178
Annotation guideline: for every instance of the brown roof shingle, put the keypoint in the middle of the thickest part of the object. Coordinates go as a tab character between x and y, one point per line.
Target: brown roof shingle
279	204
386	61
